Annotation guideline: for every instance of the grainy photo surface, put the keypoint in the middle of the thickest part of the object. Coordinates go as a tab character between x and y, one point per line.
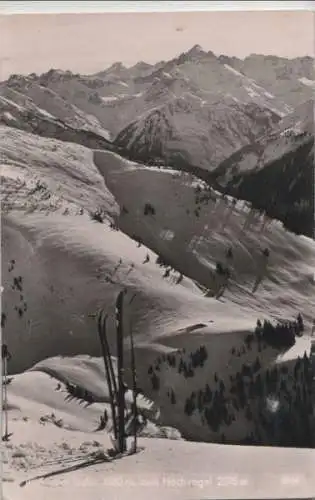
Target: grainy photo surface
158	256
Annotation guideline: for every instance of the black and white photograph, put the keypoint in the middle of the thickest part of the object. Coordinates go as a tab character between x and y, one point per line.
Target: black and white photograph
157	254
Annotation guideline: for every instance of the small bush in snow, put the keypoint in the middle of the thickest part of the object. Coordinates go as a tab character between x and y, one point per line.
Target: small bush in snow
98	216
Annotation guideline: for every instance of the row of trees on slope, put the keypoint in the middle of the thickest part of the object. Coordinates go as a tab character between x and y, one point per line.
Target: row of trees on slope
220	403
282	334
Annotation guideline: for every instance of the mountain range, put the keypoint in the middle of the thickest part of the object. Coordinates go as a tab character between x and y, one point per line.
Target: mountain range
197	112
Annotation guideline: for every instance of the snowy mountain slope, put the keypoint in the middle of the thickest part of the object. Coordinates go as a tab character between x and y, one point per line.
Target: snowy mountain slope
191	131
205	80
32	119
162	90
299	121
279	75
166	85
62	283
113	109
307	82
71	92
276	142
213	77
118	79
200	239
89	373
144	174
122	109
29	89
50	176
283	161
43	391
60	266
73	257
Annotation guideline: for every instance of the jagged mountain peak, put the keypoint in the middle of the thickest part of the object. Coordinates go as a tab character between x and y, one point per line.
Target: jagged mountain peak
116	69
57	75
196	53
141	65
117	66
17	80
196	50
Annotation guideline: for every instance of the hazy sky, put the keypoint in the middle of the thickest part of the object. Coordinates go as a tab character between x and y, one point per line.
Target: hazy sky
88	43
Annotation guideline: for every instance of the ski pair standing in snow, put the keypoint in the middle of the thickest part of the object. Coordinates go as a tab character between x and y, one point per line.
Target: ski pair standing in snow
117	388
5	357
